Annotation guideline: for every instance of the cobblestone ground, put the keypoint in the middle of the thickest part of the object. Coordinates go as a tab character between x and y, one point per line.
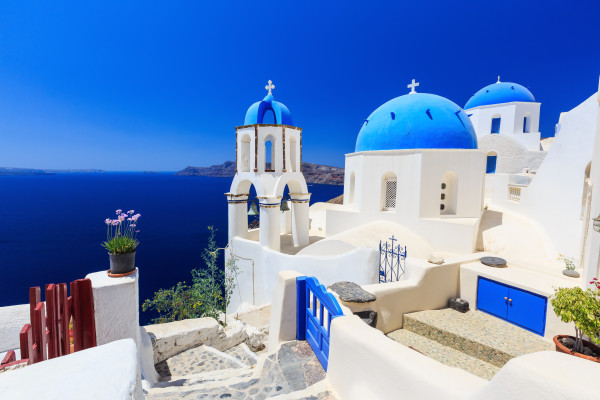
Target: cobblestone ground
294	367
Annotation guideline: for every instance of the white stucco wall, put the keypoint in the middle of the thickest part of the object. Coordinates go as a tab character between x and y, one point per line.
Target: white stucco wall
419	176
108	372
257	279
282	326
512	156
511	124
12	319
553	199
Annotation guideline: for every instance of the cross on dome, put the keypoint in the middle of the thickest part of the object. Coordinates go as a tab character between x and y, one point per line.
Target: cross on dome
270	86
412	86
498	79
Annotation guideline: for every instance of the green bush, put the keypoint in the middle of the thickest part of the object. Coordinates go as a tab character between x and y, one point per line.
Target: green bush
208	295
581	307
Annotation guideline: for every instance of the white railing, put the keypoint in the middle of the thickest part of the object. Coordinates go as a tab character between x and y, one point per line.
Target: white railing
514	193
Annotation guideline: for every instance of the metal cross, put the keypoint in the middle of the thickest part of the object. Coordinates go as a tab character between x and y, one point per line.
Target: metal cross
270	86
412	86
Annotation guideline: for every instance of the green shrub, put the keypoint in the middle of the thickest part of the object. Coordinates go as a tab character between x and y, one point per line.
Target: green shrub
208	295
581	307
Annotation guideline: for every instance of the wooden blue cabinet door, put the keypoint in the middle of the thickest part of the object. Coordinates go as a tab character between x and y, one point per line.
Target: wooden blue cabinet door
491	298
527	310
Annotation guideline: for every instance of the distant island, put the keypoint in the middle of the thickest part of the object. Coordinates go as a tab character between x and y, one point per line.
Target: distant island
29	171
313	173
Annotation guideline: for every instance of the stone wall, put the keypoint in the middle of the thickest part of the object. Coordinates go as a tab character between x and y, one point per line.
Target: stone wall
173	338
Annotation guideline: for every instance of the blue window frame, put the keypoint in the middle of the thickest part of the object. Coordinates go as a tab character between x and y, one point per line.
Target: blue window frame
495	125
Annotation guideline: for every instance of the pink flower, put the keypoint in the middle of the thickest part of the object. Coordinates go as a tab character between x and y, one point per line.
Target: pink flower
130	212
116	222
108	221
119	211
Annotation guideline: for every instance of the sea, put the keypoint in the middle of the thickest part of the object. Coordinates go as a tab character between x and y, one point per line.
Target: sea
52	226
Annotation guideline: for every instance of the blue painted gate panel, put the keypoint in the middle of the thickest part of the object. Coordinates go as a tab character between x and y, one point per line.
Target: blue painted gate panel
316	309
527	310
518	306
491	298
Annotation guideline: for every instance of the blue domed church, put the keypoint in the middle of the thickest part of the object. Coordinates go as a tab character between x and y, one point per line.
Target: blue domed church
416	163
506	119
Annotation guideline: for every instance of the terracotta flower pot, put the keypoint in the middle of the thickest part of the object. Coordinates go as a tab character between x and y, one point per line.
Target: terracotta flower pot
122	263
564	349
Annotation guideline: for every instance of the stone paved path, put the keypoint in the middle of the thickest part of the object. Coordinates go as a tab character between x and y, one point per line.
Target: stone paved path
293	368
197	360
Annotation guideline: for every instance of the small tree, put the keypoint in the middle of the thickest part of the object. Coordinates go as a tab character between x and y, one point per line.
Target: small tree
208	296
581	307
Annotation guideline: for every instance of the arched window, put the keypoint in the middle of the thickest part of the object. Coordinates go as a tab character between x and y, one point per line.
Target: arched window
352	188
449	194
492	158
270	154
496	124
245	156
586	190
389	191
293	155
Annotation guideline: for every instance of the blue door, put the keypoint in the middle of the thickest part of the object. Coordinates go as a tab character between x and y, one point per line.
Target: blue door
492	298
316	309
527	310
517	306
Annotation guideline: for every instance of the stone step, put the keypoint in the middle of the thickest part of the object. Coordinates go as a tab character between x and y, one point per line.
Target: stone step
197	360
243	353
293	367
476	334
446	355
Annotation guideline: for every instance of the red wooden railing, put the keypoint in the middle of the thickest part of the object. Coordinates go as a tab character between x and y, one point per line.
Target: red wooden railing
48	335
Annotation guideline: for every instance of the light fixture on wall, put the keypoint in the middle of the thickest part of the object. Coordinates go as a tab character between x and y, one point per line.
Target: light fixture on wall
597	223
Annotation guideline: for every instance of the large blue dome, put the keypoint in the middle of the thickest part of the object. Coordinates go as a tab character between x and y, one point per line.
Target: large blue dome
417	121
256	112
498	93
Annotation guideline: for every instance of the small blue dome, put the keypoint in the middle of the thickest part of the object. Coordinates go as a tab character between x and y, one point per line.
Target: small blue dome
498	93
417	121
256	112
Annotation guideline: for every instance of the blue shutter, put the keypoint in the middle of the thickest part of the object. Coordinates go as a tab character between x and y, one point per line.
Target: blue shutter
491	165
527	310
490	298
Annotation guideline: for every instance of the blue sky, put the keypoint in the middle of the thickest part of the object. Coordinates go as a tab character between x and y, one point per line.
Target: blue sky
161	85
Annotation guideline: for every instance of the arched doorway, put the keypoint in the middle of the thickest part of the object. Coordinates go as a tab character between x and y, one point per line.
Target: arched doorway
492	159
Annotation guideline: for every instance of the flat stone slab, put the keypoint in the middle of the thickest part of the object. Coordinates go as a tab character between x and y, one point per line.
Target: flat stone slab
495	262
350	292
197	360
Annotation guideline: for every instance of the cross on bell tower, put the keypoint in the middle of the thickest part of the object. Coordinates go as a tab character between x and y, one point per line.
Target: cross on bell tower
412	86
270	86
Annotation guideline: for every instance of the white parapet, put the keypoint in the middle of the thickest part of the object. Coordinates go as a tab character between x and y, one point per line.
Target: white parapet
12	319
108	372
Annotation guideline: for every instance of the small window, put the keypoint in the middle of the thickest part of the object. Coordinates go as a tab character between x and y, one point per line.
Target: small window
491	164
495	125
390	193
526	125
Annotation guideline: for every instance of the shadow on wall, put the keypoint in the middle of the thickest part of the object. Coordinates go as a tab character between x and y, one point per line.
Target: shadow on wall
489	220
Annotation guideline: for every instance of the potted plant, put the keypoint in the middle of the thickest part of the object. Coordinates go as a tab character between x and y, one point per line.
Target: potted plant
121	242
583	308
569	266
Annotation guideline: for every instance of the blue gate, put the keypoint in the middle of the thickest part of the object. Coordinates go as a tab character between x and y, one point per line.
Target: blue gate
392	260
316	309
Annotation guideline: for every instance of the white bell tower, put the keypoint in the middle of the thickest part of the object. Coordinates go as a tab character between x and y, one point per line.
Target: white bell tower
269	156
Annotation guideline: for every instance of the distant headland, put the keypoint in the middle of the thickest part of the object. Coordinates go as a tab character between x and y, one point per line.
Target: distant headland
29	171
313	173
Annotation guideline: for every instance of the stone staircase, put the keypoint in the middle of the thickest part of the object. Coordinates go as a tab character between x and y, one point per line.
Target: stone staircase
293	372
473	341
